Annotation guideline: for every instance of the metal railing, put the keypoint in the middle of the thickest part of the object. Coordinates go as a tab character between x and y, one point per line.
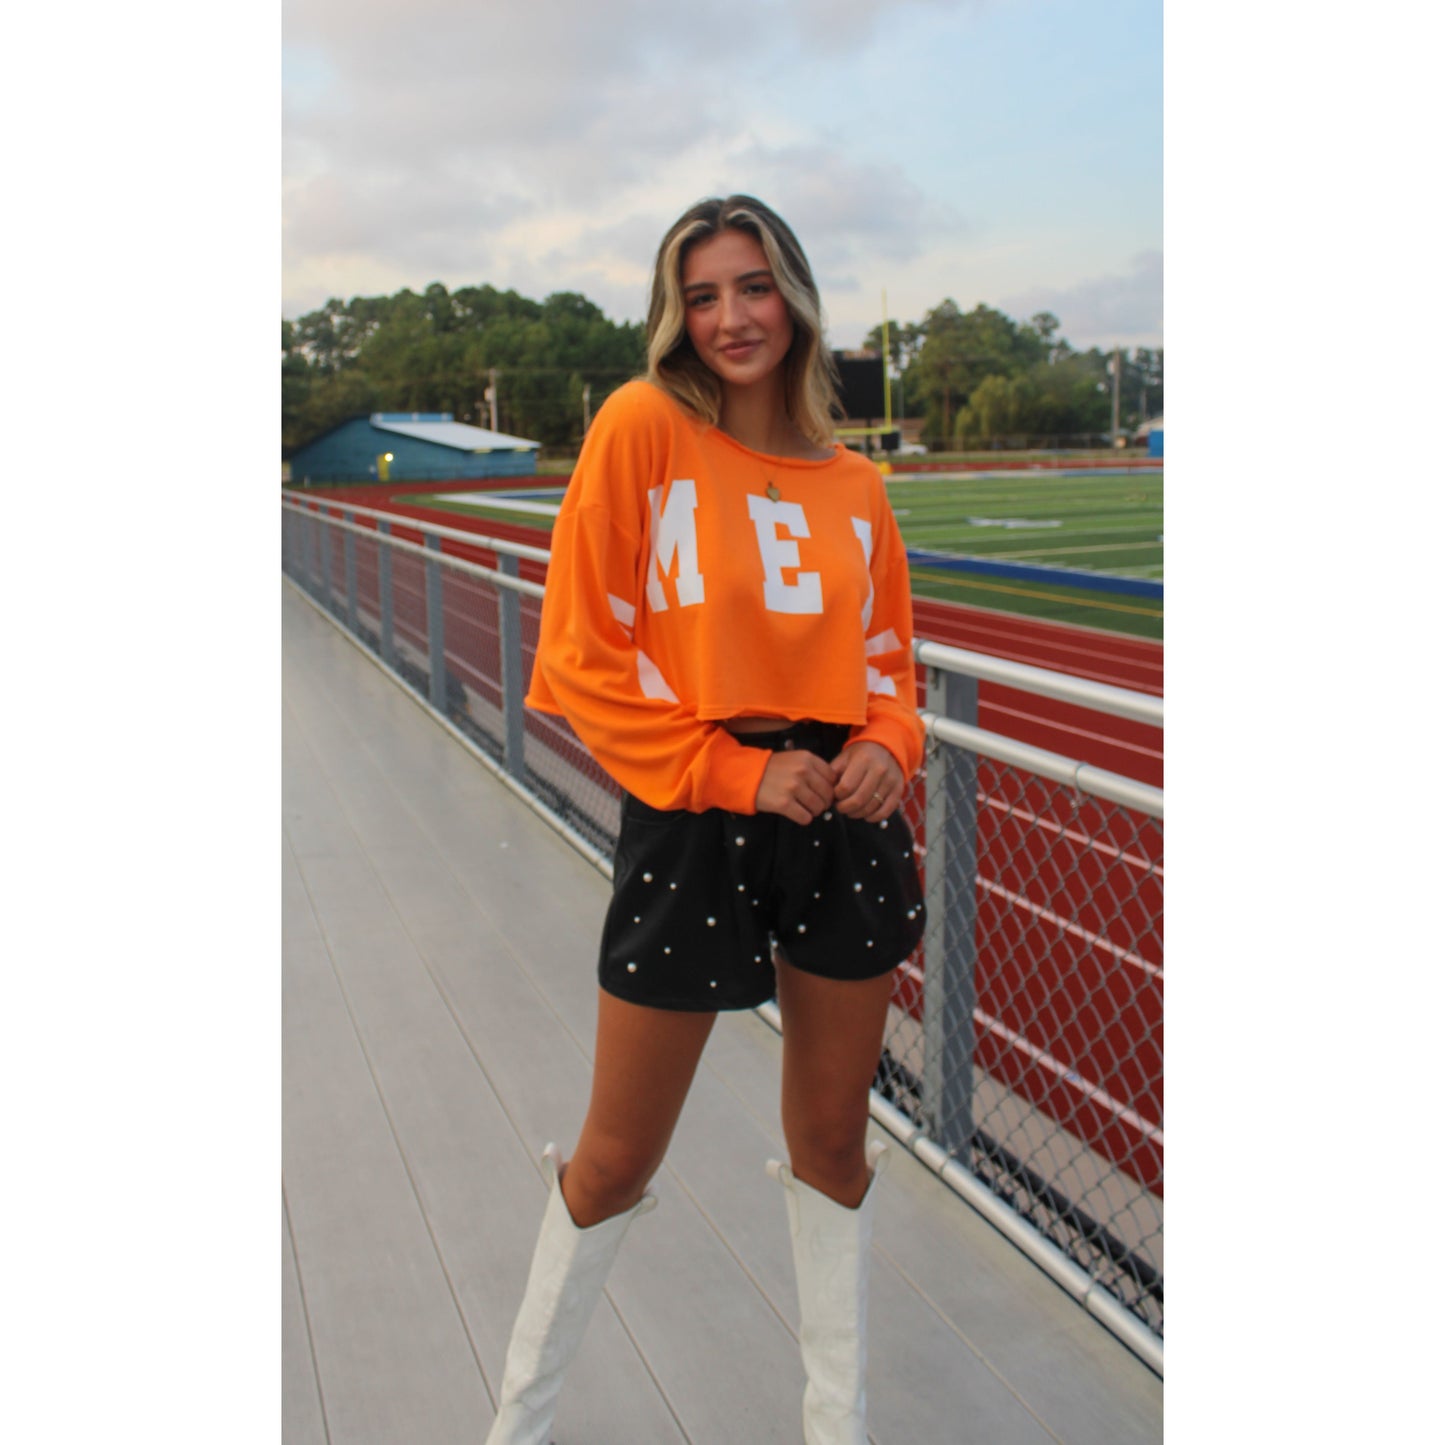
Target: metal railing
1023	1057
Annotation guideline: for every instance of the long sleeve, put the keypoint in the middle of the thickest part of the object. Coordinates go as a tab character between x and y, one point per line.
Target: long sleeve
589	668
888	649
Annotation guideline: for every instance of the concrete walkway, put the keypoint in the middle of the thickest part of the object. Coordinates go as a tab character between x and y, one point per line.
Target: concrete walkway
439	1009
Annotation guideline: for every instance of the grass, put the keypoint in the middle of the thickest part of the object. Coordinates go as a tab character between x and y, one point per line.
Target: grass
1104	524
489	514
1098	523
1109	524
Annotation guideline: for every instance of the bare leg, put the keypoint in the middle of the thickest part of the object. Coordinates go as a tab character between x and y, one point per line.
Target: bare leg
832	1039
644	1065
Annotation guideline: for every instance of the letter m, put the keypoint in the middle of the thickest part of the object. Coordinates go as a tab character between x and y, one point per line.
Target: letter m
674	540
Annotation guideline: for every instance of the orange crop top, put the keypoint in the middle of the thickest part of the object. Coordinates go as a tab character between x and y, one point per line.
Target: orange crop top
679	594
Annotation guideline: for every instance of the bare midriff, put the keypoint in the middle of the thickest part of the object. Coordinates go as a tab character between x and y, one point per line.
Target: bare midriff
755	724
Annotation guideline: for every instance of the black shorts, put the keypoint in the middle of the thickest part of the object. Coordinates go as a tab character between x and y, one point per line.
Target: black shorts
699	900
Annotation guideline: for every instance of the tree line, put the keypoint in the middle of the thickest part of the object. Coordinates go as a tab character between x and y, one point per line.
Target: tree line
979	378
442	351
539	369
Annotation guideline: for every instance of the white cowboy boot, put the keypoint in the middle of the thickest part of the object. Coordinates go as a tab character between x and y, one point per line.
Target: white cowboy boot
569	1268
830	1255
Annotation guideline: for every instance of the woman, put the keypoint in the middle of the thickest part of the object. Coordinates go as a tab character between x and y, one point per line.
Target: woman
728	627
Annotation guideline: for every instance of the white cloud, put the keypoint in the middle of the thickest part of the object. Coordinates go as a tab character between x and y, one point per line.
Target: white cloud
547	144
837	204
834	26
1115	310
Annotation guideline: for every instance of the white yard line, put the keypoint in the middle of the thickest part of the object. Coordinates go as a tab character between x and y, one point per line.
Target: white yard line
1060	551
503	503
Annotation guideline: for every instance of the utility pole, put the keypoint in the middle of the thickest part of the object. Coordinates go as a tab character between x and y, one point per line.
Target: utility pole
586	406
1114	435
492	393
887	383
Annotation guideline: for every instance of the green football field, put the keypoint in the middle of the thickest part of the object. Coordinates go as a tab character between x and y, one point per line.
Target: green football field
1109	524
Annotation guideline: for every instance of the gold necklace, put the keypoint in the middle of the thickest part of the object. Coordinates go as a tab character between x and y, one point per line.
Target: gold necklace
771	490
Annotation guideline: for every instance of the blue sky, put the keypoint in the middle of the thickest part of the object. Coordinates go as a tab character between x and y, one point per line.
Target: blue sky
1004	151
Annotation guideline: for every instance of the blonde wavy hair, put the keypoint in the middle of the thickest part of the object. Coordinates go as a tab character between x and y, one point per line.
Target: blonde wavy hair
810	379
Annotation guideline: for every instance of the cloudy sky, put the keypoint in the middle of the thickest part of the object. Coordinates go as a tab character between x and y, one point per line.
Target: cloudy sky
1004	151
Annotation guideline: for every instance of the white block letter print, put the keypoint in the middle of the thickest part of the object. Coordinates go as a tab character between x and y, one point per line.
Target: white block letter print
769	518
649	675
674	534
885	641
863	530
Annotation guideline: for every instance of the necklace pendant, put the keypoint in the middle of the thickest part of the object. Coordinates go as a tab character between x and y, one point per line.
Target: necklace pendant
774	495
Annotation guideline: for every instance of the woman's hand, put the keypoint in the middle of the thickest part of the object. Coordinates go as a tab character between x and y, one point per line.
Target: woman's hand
796	784
867	782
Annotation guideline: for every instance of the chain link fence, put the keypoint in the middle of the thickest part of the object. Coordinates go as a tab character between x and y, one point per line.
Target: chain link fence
1025	1040
1026	1035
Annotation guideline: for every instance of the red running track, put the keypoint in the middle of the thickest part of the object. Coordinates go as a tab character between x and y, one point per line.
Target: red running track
1064	1018
1121	746
1035	464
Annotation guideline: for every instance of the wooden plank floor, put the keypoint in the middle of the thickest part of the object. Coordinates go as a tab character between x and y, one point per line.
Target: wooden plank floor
439	1006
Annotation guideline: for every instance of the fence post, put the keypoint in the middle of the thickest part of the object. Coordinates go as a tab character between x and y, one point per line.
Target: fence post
950	949
434	628
383	585
331	588
348	551
509	627
323	521
318	577
311	553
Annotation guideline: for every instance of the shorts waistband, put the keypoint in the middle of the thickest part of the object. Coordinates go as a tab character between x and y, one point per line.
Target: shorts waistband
825	739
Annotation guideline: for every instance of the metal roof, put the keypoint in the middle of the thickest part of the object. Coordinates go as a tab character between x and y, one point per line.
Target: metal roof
455	434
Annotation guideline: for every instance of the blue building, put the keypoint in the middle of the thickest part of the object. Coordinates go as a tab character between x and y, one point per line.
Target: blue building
1151	434
410	446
